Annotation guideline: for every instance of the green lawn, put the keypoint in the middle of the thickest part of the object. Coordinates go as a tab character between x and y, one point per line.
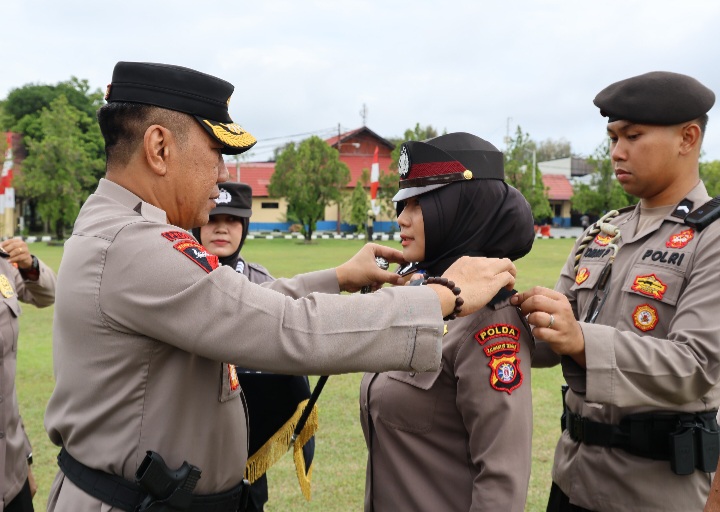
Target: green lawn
339	472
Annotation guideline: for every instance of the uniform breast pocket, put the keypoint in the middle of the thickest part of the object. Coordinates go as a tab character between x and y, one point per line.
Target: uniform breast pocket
587	276
651	294
9	327
230	385
409	400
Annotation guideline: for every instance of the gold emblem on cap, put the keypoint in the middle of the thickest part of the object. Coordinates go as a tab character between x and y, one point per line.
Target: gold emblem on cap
107	91
6	288
467	174
231	134
228	101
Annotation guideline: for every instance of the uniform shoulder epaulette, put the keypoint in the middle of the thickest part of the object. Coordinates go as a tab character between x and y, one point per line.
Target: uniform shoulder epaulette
705	215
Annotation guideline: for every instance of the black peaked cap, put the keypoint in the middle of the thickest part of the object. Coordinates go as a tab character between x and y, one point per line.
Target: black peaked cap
184	90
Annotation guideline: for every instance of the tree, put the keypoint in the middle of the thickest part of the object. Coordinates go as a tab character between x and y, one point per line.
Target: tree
62	165
604	192
710	174
310	176
359	206
522	172
551	149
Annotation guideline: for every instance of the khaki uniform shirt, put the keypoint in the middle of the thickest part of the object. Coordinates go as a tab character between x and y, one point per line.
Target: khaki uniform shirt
14	445
459	438
655	346
145	329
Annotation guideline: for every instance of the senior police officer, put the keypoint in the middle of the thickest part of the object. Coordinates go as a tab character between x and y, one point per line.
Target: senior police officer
24	278
148	327
634	316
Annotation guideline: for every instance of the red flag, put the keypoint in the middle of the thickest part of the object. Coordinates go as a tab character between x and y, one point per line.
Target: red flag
374	176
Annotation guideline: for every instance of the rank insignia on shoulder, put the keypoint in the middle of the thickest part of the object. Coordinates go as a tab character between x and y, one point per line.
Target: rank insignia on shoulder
582	275
6	288
174	236
497	331
602	239
645	317
649	285
505	366
197	253
680	240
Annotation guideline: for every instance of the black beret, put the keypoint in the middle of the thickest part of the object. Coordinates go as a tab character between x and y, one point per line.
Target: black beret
235	199
436	162
659	97
185	90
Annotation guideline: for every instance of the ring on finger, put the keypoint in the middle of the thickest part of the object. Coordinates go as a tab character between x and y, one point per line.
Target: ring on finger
552	321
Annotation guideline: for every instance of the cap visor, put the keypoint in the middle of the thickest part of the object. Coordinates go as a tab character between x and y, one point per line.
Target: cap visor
237	212
406	193
235	140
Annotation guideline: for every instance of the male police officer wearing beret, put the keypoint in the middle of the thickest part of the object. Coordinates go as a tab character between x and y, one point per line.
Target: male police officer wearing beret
148	327
634	316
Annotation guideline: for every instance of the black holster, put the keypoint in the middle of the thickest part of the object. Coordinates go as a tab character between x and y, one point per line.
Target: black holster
168	490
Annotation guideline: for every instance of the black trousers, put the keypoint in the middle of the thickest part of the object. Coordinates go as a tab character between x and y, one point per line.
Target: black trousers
560	502
258	495
22	502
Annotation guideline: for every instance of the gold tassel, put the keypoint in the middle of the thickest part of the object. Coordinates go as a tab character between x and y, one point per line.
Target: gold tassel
279	444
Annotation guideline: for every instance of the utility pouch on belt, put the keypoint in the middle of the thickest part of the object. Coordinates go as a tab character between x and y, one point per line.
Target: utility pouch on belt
168	490
689	441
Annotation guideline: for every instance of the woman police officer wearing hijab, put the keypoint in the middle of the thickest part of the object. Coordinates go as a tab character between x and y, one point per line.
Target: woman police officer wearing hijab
457	439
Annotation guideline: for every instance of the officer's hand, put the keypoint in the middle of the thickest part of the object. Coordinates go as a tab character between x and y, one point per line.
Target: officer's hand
551	314
361	270
18	251
479	280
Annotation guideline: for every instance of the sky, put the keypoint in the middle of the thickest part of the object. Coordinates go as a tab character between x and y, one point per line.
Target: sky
307	67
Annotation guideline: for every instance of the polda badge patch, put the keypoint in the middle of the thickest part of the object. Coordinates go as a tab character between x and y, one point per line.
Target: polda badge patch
497	331
645	317
505	372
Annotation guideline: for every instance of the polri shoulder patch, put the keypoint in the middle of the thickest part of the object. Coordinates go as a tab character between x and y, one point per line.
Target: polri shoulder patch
197	253
497	331
174	236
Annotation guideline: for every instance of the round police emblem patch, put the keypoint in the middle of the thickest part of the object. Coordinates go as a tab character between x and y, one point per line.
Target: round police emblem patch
404	162
224	197
505	372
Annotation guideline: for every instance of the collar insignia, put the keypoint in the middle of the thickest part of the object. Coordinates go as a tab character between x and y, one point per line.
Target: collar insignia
680	240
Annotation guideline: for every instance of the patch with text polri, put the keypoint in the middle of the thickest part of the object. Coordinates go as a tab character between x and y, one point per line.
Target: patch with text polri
497	331
197	253
504	364
174	236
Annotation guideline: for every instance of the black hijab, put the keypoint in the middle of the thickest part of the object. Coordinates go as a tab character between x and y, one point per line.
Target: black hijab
474	218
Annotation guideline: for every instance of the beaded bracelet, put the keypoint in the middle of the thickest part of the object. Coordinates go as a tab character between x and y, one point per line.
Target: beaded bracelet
443	281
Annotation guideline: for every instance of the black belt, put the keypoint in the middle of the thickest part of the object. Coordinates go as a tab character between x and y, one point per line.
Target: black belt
688	440
127	495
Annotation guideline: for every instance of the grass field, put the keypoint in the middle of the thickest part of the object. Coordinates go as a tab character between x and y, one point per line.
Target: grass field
339	469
